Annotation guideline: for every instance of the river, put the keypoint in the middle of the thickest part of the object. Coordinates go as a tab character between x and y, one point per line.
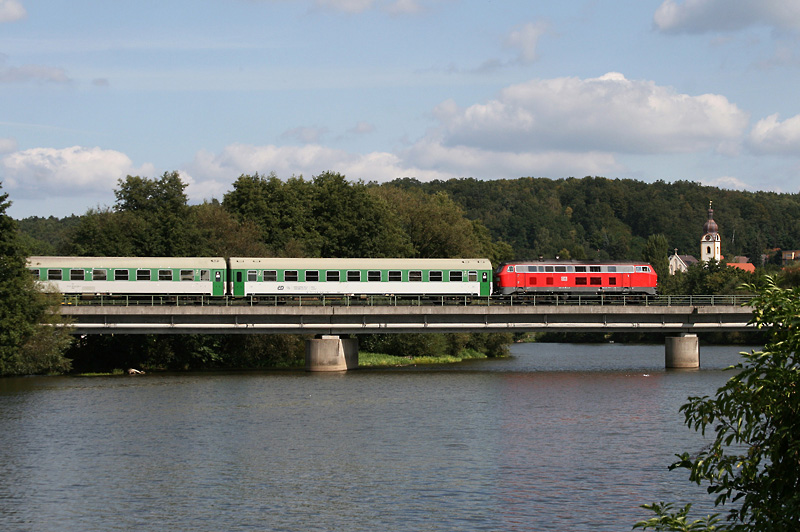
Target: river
558	437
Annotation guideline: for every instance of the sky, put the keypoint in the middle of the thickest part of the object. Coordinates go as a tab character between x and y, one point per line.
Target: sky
90	92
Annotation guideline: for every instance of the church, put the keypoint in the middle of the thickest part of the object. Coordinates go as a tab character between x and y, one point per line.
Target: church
710	249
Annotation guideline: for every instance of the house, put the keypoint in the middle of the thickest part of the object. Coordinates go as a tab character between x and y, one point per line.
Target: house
680	263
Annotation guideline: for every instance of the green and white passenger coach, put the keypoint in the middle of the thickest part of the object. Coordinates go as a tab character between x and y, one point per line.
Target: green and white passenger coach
132	275
293	276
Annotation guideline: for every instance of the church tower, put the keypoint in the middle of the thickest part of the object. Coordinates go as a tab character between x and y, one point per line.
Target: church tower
710	241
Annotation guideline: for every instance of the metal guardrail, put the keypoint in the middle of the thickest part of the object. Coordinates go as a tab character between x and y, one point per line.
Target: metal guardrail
398	301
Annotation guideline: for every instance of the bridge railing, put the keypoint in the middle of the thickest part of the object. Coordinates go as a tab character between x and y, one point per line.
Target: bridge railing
391	300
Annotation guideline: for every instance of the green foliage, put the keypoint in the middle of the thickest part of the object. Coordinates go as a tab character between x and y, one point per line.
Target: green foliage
709	278
29	340
666	519
656	252
753	461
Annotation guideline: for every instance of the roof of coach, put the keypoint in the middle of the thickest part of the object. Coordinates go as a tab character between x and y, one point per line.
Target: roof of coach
126	262
282	263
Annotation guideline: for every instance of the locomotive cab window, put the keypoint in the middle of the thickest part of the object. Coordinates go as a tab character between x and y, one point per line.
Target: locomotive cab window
510	269
120	275
353	275
290	276
332	275
54	275
456	276
415	276
437	275
312	276
271	276
77	275
99	275
142	275
188	275
164	275
395	275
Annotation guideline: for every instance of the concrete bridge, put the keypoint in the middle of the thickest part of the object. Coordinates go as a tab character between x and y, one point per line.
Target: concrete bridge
333	322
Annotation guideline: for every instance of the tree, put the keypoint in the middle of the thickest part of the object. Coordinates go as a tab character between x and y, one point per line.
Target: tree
655	253
754	459
29	341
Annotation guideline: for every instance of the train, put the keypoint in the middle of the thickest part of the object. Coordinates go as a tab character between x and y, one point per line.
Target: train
292	277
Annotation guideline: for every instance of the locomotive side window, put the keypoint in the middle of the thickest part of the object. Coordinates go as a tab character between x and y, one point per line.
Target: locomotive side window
120	275
311	275
456	276
205	275
580	269
612	269
415	276
548	268
395	275
595	281
164	275
612	280
271	276
291	276
354	275
54	275
188	275
99	275
437	275
332	275
76	275
561	269
594	269
550	280
252	276
374	276
142	275
580	281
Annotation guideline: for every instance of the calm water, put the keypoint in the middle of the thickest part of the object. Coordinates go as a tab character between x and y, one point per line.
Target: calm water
560	437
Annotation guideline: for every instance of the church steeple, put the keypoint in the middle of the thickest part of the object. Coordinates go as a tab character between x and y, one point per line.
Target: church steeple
710	241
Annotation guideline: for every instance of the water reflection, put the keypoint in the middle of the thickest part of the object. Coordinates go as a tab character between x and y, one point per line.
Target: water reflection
558	438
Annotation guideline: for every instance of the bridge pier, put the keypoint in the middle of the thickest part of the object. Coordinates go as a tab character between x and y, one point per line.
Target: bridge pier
331	353
682	351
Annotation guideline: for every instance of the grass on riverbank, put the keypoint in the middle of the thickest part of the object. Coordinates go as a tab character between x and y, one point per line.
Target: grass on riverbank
374	360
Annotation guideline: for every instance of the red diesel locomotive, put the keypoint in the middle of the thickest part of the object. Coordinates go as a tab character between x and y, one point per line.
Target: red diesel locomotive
574	277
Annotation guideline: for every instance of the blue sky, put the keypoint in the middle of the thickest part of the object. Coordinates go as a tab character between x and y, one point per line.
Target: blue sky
699	90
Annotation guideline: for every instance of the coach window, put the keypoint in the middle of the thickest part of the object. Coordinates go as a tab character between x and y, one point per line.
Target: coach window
595	281
456	276
437	275
473	277
205	275
252	276
374	276
290	276
54	275
271	276
395	275
188	275
99	275
353	275
35	273
120	275
164	275
580	281
415	276
142	275
312	276
332	275
76	275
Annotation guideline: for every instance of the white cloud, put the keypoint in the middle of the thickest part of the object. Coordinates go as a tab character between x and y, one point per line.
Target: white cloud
11	10
7	145
348	6
769	135
700	16
306	135
68	172
609	113
526	39
729	183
